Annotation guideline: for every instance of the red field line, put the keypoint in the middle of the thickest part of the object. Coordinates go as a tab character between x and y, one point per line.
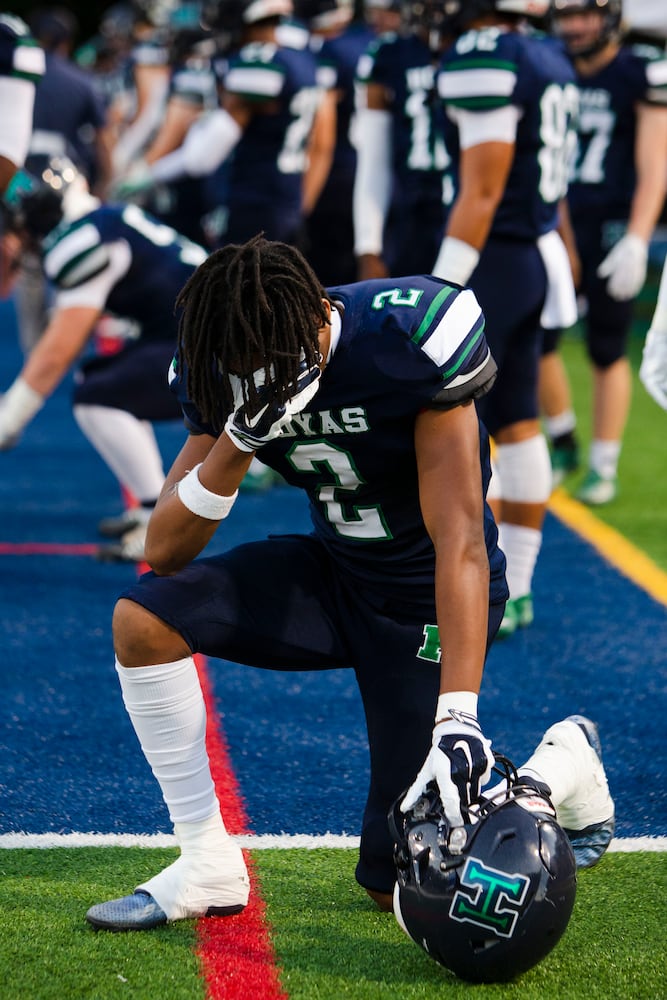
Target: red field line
47	549
236	953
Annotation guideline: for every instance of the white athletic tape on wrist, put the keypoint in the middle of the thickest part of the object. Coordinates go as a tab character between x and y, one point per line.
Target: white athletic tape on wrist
456	701
19	405
456	261
201	501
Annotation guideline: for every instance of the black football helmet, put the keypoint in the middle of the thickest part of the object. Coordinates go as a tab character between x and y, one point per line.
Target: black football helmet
611	12
230	15
452	17
490	899
34	200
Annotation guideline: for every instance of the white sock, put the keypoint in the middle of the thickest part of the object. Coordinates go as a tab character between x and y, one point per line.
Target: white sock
604	457
127	445
521	547
560	423
166	706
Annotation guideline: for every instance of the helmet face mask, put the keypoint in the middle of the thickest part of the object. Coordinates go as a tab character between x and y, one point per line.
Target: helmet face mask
586	26
490	899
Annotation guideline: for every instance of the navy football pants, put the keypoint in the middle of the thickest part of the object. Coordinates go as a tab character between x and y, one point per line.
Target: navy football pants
281	604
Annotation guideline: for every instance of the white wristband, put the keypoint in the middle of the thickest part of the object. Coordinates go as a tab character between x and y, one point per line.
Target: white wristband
19	405
456	701
201	501
456	261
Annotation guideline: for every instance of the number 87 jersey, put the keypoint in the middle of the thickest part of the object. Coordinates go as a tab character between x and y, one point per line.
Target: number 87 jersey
530	77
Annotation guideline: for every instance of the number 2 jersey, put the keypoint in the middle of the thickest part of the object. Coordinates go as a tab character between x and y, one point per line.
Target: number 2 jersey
492	68
402	346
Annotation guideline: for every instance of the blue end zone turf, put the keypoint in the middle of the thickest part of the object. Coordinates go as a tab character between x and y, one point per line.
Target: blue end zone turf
70	762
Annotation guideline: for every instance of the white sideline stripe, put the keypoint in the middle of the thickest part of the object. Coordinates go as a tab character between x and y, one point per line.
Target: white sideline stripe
253	842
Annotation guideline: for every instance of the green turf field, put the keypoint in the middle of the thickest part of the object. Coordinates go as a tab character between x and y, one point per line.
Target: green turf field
640	511
330	941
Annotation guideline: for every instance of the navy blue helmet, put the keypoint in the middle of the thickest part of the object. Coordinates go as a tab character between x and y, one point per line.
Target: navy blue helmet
490	899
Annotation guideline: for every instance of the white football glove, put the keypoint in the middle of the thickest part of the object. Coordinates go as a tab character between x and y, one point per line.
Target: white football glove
137	180
653	369
17	408
625	267
459	761
253	423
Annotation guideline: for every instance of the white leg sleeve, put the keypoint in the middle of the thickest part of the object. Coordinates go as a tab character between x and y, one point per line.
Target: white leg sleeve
521	547
166	706
128	447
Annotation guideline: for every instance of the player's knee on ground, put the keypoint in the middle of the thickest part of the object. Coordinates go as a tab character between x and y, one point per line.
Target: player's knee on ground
141	638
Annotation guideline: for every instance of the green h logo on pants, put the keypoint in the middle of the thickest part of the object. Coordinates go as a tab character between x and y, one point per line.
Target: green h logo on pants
495	902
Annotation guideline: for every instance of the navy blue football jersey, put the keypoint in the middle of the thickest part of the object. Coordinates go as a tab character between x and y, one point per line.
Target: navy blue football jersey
157	262
20	55
492	68
403	65
405	345
268	163
604	178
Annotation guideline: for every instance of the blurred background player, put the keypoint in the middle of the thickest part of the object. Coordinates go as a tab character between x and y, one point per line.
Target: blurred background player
269	99
616	195
401	186
653	368
102	258
510	103
338	39
22	64
69	119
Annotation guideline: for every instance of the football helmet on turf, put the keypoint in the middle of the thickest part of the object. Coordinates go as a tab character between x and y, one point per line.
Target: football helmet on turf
490	899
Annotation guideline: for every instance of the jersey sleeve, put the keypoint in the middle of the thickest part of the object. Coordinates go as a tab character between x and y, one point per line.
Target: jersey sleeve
255	74
655	72
431	341
76	256
20	55
480	75
452	335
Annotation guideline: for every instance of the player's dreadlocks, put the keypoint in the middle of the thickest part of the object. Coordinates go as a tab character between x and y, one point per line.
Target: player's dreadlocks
246	307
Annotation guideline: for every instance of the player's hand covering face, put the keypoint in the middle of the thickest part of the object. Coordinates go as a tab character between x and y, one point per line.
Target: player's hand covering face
460	762
259	417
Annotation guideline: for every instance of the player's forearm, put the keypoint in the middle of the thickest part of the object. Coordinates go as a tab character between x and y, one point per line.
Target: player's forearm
650	159
177	534
462	589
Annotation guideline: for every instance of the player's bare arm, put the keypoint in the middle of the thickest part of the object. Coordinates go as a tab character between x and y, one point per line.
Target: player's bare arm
175	534
447	449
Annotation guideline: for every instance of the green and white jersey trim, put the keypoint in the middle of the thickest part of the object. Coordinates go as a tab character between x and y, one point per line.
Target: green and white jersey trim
255	82
77	257
479	85
442	341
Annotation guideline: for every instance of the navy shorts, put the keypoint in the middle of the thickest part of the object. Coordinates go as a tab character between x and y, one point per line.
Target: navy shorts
135	380
281	604
608	321
510	284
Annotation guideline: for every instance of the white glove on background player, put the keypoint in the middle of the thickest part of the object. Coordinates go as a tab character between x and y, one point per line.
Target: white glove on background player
653	369
253	423
459	761
625	267
17	408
